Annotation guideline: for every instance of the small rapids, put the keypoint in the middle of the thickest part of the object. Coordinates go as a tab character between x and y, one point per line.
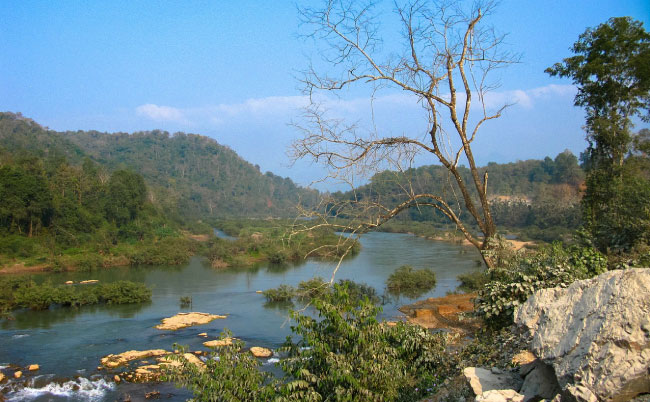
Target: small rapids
80	389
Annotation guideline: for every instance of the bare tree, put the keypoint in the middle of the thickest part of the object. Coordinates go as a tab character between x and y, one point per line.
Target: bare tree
444	65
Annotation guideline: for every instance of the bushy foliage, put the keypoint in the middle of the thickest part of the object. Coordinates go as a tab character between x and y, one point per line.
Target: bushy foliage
519	275
411	282
283	293
25	293
317	287
256	240
345	354
230	375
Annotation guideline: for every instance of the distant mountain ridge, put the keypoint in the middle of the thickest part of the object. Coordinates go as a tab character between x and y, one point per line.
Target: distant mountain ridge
188	175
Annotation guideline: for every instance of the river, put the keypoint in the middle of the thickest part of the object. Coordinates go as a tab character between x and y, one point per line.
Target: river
68	343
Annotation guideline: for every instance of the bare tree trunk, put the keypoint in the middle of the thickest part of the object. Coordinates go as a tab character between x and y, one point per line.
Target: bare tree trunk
445	67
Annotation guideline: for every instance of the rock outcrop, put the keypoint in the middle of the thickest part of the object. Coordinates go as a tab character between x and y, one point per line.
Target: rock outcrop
183	320
261	352
218	343
112	361
595	335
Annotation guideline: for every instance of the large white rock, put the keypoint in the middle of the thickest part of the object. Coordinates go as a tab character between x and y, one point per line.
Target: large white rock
595	334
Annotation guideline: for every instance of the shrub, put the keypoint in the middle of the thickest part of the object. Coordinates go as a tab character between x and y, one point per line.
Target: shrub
282	293
345	354
312	288
124	292
359	291
410	282
185	301
473	281
521	275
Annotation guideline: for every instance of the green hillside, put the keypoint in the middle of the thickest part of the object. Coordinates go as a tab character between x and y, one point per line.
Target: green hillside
189	176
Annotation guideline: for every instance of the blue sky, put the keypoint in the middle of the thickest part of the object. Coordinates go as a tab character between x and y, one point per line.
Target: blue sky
226	69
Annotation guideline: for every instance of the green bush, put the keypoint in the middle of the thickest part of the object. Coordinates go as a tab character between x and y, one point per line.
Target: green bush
520	275
124	292
410	282
344	355
312	288
16	293
473	281
282	293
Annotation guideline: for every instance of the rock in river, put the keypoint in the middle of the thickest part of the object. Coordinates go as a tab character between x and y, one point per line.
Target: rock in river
261	352
183	320
112	361
218	343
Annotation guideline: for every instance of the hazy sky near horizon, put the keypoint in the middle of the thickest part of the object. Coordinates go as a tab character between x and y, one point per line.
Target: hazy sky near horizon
227	69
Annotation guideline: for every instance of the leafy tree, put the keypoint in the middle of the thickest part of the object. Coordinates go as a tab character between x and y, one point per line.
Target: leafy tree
344	355
26	199
611	70
126	196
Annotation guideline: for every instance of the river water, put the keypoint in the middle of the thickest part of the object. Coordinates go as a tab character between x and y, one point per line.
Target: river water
69	343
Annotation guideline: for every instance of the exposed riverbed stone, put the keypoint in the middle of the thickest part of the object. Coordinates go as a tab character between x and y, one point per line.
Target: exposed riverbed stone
191	358
218	343
2	377
595	334
261	352
18	374
443	313
112	361
183	320
33	367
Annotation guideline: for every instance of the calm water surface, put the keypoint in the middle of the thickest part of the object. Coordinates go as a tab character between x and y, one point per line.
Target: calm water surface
69	343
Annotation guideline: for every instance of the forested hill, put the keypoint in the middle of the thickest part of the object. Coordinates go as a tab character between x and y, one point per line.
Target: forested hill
189	176
539	195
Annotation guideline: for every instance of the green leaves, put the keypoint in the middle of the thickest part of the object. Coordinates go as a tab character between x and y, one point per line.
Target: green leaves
345	354
519	276
411	282
610	68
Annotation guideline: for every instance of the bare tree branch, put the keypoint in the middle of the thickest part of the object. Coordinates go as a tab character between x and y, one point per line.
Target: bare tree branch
448	55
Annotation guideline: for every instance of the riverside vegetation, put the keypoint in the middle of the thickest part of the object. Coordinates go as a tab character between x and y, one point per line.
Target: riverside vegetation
346	354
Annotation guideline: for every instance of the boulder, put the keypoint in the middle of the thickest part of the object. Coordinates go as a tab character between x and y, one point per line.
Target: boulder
112	361
595	334
69	282
218	343
261	352
540	382
18	374
117	378
482	380
2	377
183	320
500	395
204	334
33	367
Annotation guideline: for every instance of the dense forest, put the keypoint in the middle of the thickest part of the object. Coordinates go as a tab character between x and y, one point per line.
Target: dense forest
189	176
540	198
